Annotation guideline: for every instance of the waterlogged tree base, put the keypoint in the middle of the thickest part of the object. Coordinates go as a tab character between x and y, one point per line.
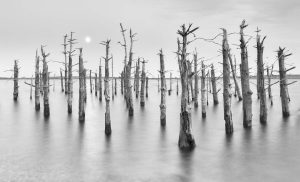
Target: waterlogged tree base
204	115
247	124
163	121
229	128
286	114
186	140
46	111
82	117
107	129
131	111
69	109
142	104
37	107
15	97
263	120
196	104
216	102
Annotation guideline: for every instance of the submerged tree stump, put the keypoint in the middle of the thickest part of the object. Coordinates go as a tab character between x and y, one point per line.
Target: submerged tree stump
262	91
70	76
196	81
203	90
143	80
214	86
96	84
170	90
226	85
81	88
186	140
61	81
247	93
233	70
100	82
45	83
16	81
163	90
37	82
66	63
147	80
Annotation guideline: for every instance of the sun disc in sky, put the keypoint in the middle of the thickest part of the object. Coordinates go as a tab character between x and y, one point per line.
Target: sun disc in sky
87	39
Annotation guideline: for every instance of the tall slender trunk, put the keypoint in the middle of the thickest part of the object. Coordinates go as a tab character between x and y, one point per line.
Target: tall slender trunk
214	86
85	91
61	81
163	90
81	88
37	82
91	85
96	84
147	79
233	70
143	80
100	82
196	81
66	64
45	84
112	78
269	84
137	79
203	90
16	81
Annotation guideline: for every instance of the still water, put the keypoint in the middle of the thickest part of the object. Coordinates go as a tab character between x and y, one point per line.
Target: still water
62	149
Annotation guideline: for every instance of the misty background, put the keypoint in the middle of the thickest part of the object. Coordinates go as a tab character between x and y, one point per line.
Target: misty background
28	24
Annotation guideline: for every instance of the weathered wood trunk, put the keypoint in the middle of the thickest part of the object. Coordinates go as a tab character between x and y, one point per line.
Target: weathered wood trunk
233	70
170	90
137	79
70	76
41	83
147	79
66	64
177	89
226	86
115	86
214	86
196	81
191	81
91	85
122	82
186	139
45	84
61	81
129	86
106	91
81	89
283	84
85	91
207	86
262	92
96	84
143	80
37	82
16	81
247	93
31	88
203	90
163	90
100	82
112	78
269	84
158	89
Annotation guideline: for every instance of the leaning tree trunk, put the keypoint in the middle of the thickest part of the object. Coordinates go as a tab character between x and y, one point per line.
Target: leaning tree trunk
16	80
37	83
203	99
226	85
143	80
163	90
283	84
100	82
196	81
214	86
233	70
247	100
61	81
106	91
262	92
81	88
147	79
45	84
186	140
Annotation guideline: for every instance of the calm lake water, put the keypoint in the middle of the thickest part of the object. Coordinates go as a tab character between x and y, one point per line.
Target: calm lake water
62	149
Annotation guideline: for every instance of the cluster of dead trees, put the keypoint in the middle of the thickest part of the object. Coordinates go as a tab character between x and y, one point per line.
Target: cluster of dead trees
191	70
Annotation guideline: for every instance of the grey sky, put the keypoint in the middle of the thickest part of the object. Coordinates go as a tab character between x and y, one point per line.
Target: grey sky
26	24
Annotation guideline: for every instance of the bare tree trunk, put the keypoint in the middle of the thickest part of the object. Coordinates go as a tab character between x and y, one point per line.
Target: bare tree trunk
37	82
196	81
91	85
226	86
96	84
207	85
85	91
170	90
158	83
147	79
45	84
70	78
66	64
122	82
262	92
247	100
214	86
100	82
233	70
283	84
203	90
16	81
163	90
112	78
31	88
137	79
191	81
269	84
177	86
106	91
115	86
143	80
61	81
186	139
81	88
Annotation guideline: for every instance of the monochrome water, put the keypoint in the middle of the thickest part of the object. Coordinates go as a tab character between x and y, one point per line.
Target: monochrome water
60	148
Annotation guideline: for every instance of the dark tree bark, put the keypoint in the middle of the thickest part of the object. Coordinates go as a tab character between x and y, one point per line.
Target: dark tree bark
81	88
45	83
37	82
163	90
143	80
196	81
16	81
214	86
100	82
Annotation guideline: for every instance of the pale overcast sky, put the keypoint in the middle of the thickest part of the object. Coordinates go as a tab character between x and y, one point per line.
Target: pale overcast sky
27	24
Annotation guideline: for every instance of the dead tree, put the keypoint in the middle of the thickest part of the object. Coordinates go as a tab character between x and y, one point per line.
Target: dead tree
196	81
122	82
170	90
283	82
85	91
115	86
191	74
112	78
37	82
147	79
247	93
16	81
163	90
214	86
137	82
66	63
100	82
96	84
91	85
81	88
158	89
31	88
226	85
203	90
233	70
177	86
45	84
70	76
106	90
186	139
269	75
262	91
61	81
143	80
